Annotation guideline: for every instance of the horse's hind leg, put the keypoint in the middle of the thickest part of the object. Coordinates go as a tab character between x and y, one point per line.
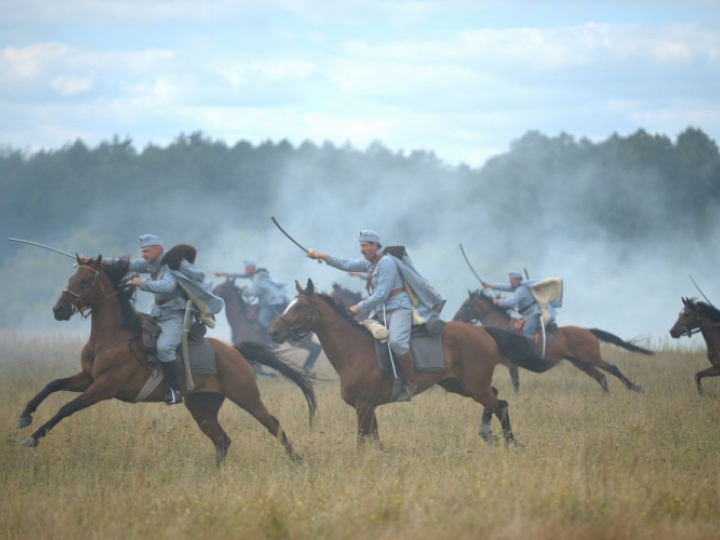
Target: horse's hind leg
485	432
514	377
204	409
367	424
713	371
596	360
590	370
499	408
247	396
76	383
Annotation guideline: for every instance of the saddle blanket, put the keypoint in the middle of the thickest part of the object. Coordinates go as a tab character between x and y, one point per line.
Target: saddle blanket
202	362
427	351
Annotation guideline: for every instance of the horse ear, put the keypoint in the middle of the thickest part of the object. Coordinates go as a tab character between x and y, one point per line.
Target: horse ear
469	292
77	258
298	288
98	261
310	289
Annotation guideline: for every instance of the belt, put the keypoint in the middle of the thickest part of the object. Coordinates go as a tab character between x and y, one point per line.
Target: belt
397	291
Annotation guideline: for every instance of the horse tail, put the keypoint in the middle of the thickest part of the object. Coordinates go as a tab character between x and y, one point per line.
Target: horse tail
519	350
607	337
260	354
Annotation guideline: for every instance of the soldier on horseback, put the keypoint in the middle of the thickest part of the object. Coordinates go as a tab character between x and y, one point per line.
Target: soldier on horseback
271	295
522	300
390	277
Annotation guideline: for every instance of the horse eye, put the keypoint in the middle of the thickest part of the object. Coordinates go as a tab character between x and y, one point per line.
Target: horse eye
298	308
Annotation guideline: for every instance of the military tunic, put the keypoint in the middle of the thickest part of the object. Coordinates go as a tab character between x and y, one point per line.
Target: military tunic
271	294
522	300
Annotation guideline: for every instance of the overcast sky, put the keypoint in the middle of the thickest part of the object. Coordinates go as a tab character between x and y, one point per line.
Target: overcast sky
461	78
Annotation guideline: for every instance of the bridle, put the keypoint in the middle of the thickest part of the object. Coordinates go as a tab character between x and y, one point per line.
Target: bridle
694	326
478	318
78	297
296	331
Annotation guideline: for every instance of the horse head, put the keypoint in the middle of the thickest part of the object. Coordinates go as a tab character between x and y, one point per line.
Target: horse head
299	316
86	288
688	320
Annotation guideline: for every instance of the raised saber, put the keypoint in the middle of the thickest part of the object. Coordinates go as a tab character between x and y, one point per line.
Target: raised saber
43	246
470	265
298	244
700	290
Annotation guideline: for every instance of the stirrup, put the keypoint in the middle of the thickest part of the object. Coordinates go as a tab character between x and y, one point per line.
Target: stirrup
173	397
407	393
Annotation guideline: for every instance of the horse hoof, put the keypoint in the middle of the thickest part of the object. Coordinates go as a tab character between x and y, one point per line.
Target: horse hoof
490	438
638	389
23	422
30	442
515	446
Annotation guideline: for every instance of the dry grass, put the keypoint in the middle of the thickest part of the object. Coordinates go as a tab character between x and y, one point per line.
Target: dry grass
618	466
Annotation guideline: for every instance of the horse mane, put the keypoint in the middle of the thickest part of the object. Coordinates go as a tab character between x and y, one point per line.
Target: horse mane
710	310
341	310
342	290
116	271
480	293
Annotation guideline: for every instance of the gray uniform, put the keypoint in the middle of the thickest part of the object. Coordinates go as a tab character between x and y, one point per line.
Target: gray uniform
386	279
271	295
522	300
169	307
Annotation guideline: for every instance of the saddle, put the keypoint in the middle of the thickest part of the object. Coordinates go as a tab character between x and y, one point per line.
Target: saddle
150	330
425	344
550	331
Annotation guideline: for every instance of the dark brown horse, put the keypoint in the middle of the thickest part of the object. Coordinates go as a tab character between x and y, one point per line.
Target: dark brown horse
243	327
704	318
470	354
114	363
581	346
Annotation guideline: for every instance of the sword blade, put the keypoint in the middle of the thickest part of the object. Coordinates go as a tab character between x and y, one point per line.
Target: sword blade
700	290
29	243
470	265
287	235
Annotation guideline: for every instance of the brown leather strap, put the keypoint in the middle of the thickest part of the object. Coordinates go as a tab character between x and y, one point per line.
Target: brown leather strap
397	291
371	273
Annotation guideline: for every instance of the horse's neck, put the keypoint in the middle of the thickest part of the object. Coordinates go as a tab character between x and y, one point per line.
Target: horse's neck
492	316
240	325
339	337
106	321
711	333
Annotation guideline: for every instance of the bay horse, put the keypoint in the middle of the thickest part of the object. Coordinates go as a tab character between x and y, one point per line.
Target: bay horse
580	346
470	356
243	327
704	318
114	363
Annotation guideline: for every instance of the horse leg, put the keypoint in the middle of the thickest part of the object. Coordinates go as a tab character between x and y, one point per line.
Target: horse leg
453	386
366	424
514	377
100	390
499	407
76	383
204	409
314	352
598	361
248	398
713	371
590	370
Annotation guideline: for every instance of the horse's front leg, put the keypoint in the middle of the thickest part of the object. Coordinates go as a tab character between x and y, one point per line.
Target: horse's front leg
101	389
713	371
76	383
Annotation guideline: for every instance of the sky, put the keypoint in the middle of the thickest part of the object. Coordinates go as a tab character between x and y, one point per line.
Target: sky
460	78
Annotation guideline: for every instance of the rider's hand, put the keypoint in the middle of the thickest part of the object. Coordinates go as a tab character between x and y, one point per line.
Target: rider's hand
485	285
354	310
496	301
220	274
136	281
316	255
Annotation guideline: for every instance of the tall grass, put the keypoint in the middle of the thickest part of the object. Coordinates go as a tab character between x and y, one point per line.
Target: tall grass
618	466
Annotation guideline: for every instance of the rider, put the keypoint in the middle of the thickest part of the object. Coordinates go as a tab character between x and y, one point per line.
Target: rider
389	302
521	299
271	294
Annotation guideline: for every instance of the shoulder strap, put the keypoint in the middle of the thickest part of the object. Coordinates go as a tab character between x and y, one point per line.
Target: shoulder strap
371	273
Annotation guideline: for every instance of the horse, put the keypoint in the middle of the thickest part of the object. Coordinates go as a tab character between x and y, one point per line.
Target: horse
704	318
470	356
114	363
346	297
244	328
581	346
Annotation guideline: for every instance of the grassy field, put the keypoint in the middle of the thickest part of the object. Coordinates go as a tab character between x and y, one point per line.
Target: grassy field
617	466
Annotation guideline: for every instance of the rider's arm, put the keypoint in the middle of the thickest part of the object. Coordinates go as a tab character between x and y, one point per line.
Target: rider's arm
166	284
136	265
349	265
505	287
257	287
513	300
387	274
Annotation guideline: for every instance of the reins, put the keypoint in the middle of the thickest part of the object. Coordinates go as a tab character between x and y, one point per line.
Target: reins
296	330
78	297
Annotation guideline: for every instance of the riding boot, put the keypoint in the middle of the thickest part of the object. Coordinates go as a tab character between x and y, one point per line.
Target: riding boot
407	368
170	371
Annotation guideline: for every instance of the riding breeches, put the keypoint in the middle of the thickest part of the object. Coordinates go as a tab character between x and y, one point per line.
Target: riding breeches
400	328
170	338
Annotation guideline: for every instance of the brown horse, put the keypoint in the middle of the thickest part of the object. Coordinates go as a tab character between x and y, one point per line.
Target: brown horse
704	318
470	354
114	363
244	328
581	346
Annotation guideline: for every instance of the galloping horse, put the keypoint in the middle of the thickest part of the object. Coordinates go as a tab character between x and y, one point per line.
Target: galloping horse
704	318
114	363
244	328
470	356
581	346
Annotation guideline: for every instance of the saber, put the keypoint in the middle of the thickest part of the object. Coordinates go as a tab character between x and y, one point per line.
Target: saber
700	290
470	265
527	276
542	325
42	246
187	320
298	244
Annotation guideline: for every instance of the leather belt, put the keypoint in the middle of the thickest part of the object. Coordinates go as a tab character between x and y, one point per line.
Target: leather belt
397	291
